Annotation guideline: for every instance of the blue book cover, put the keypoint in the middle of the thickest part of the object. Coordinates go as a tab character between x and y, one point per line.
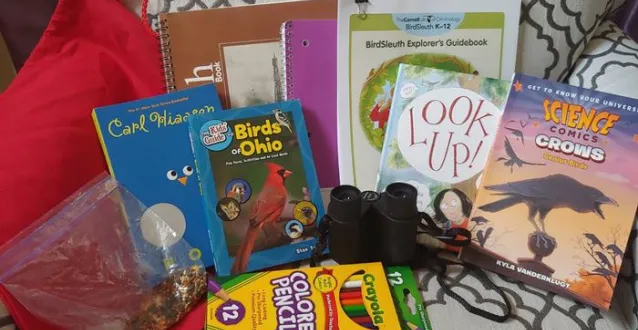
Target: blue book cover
148	150
261	193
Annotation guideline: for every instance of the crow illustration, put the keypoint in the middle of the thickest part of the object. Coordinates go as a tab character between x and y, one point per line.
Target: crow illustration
484	236
529	119
479	220
593	239
604	272
541	195
603	259
517	133
613	248
513	158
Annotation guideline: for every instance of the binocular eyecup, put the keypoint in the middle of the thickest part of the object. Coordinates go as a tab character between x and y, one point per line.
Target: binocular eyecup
345	203
367	226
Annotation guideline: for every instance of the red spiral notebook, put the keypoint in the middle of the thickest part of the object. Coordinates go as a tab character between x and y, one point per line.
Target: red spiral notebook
310	61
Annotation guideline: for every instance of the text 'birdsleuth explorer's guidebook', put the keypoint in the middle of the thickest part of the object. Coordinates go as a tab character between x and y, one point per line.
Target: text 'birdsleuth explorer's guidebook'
472	37
260	187
558	196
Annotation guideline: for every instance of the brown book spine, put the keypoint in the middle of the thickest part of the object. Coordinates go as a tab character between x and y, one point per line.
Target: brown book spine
167	58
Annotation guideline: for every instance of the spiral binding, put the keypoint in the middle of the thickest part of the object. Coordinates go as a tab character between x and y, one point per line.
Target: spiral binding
286	41
167	58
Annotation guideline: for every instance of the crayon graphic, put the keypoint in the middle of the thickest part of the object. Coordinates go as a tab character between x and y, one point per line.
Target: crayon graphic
350	294
351	300
362	319
348	302
412	326
352	284
217	290
355	310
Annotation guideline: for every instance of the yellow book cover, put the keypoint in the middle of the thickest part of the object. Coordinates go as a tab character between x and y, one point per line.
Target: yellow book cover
336	297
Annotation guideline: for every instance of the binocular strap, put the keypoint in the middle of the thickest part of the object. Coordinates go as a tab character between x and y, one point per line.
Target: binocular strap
442	277
454	237
458	237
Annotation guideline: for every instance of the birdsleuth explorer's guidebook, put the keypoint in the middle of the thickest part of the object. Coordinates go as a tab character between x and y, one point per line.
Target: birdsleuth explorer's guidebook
439	133
558	196
260	187
474	37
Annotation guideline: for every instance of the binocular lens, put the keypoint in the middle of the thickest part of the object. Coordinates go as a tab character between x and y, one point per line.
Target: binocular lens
401	191
345	203
345	193
401	200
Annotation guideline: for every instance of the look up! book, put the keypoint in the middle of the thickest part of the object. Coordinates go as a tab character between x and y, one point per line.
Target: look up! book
558	197
261	193
440	130
338	297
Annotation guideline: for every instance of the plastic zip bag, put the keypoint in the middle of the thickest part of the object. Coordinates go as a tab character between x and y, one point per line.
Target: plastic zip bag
89	264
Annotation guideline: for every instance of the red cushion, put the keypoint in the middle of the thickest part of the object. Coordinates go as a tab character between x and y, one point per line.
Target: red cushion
93	53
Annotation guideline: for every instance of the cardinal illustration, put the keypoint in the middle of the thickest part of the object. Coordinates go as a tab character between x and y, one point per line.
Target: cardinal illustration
282	119
380	114
265	211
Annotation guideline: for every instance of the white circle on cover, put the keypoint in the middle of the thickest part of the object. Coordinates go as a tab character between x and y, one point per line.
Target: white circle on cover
163	224
447	133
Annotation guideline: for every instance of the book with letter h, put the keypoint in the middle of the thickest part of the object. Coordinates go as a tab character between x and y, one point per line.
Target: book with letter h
244	61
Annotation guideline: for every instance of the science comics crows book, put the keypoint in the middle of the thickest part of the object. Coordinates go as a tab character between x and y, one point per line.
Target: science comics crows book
261	194
558	197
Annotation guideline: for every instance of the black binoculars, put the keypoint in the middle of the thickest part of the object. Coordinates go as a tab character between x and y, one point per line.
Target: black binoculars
368	226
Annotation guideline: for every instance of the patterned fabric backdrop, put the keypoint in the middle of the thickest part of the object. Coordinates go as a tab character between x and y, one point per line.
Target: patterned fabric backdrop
609	64
6	323
553	34
164	6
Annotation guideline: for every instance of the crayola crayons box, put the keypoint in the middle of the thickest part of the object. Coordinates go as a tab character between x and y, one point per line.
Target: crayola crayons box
336	297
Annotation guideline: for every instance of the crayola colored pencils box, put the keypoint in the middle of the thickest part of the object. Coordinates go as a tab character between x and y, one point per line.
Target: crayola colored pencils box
337	297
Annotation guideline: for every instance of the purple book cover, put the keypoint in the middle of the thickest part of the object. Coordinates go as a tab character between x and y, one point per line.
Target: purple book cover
557	201
310	48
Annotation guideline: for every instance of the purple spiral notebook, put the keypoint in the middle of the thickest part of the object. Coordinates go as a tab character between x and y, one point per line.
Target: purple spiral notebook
310	61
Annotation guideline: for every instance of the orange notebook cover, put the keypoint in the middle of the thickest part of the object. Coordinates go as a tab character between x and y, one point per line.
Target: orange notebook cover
237	48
